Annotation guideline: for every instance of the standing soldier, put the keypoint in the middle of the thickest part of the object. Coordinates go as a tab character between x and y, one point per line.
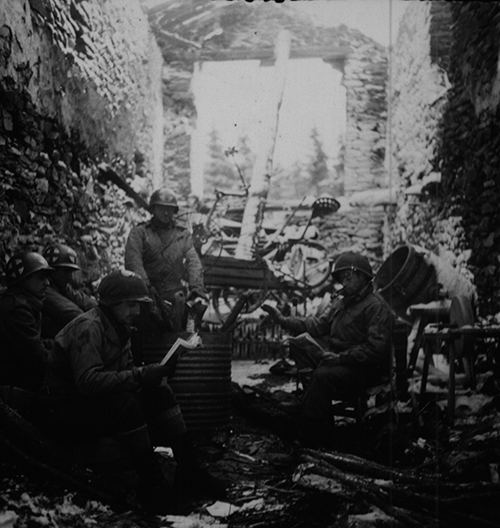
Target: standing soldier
23	356
63	302
162	253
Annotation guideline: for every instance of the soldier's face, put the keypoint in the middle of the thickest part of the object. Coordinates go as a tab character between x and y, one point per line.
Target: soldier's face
63	276
352	282
126	312
164	213
37	284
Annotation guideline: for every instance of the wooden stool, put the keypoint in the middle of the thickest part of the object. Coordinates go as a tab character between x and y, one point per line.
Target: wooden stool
422	315
450	339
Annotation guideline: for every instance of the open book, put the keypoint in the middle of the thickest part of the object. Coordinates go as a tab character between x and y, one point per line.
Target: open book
193	342
305	339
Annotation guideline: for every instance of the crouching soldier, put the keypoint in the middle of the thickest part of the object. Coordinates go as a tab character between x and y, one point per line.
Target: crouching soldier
23	355
63	302
100	391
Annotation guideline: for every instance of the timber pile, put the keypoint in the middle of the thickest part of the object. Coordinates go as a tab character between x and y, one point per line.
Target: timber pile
411	498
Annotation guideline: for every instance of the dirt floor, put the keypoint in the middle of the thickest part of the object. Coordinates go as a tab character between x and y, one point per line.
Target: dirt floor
259	457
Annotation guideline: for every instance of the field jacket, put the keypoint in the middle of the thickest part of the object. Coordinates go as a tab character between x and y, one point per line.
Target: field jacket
23	356
59	308
164	256
357	331
90	357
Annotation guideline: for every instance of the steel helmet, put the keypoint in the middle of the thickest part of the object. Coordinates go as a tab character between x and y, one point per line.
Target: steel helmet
352	261
163	197
122	285
22	265
61	256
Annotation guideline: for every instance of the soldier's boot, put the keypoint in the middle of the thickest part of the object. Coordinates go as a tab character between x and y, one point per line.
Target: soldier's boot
191	478
154	492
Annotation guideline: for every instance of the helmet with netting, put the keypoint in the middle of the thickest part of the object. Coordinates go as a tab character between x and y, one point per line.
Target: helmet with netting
61	256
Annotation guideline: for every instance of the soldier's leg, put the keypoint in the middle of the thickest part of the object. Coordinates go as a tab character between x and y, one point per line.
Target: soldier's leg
168	428
327	383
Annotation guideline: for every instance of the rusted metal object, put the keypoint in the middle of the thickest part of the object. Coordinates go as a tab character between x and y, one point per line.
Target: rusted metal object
201	380
405	278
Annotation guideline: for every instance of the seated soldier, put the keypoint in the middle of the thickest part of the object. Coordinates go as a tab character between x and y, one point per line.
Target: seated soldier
100	392
23	355
63	302
354	332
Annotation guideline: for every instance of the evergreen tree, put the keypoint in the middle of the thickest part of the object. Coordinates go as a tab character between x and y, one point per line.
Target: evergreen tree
219	172
319	174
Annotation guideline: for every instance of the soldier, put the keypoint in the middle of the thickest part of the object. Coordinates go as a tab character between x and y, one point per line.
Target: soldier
23	355
162	253
354	334
101	392
63	302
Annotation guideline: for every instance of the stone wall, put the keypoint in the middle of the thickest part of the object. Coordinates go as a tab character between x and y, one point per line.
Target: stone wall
444	138
198	30
80	84
358	228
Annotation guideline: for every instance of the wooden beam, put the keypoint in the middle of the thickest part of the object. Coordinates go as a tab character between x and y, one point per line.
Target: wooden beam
267	54
263	167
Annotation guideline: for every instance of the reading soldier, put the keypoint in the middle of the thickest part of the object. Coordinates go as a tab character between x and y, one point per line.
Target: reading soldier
354	335
98	389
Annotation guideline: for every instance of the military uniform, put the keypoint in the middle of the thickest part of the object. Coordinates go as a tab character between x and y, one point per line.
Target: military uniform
164	256
59	308
356	333
23	356
92	368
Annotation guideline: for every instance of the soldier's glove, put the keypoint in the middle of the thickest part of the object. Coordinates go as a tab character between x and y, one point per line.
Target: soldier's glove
195	294
274	314
151	375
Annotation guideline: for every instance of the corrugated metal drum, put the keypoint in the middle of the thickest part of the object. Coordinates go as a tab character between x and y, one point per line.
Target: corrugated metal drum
202	378
405	278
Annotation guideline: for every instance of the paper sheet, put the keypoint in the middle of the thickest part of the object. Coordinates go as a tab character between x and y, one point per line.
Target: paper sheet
193	342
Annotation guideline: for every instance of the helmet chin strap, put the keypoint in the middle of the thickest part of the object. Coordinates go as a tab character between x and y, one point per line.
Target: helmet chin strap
163	223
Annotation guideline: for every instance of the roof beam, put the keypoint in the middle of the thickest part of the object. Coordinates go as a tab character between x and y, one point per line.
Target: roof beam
267	54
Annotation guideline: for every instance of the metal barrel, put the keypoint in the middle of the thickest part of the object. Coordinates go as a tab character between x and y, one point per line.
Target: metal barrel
201	380
405	278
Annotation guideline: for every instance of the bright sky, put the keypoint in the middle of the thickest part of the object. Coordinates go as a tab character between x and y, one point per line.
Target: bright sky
232	97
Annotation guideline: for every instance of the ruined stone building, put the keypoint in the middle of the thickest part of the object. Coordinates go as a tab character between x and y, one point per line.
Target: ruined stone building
87	82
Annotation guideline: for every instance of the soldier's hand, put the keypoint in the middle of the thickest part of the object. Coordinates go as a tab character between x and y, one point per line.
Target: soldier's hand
151	375
273	313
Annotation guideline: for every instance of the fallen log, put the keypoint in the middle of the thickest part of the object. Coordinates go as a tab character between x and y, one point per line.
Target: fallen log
106	173
369	492
384	492
424	481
